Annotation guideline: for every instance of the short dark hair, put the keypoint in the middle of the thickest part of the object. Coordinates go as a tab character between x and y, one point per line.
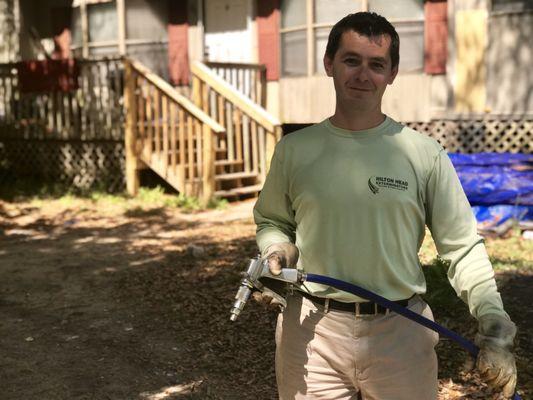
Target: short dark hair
367	24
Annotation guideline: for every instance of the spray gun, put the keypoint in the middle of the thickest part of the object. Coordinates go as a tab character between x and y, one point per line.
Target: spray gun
258	277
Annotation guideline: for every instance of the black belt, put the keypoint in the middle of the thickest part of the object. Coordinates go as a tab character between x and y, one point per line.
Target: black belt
357	308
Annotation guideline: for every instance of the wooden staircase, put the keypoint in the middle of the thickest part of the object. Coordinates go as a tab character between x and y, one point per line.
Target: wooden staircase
218	144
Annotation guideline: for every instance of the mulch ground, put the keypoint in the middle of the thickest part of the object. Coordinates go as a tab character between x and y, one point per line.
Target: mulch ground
106	302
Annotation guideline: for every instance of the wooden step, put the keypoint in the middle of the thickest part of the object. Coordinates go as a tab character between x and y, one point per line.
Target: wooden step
236	175
220	163
239	191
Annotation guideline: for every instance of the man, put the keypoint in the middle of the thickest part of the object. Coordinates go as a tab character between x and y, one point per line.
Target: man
349	198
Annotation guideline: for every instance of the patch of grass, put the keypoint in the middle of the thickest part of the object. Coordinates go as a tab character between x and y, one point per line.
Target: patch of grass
37	191
31	189
99	196
440	295
157	196
510	254
217	204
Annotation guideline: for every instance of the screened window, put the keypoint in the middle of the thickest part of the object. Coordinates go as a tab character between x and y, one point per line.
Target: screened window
293	37
102	22
77	39
146	19
145	36
146	33
512	5
305	27
407	16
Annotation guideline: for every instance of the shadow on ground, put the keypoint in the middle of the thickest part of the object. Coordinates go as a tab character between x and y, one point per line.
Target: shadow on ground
122	307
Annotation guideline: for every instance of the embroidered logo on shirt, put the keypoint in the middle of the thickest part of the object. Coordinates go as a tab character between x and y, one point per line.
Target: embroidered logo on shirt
377	182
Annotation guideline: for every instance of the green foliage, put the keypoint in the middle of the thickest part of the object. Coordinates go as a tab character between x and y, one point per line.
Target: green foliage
184	202
440	295
38	191
217	204
157	196
28	189
98	196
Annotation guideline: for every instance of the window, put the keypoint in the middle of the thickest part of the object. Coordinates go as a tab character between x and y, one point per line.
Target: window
100	18
102	22
146	33
293	37
305	27
145	25
103	28
407	16
146	19
77	39
512	5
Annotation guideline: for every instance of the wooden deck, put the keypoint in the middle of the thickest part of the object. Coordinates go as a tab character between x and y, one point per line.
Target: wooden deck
217	144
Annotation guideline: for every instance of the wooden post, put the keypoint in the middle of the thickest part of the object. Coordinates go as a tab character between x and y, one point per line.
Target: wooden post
196	88
205	99
164	106
84	30
271	139
263	87
121	16
132	163
208	167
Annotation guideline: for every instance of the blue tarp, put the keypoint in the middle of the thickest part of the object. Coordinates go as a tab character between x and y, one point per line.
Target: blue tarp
499	186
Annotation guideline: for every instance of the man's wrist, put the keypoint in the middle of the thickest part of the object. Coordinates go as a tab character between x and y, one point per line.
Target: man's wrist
495	329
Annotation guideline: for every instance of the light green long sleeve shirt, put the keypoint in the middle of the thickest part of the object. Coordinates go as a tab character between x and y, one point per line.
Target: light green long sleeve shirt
356	205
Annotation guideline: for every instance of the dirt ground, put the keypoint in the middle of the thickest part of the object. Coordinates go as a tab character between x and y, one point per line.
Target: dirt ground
103	302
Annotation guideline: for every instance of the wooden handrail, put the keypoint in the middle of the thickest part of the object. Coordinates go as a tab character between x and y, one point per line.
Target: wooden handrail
169	91
218	64
169	134
254	111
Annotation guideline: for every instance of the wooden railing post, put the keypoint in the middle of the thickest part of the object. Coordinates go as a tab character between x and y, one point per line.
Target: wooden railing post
132	161
272	138
263	87
196	95
208	167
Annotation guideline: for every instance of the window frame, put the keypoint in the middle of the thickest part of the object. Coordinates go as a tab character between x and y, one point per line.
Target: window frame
512	9
121	43
311	27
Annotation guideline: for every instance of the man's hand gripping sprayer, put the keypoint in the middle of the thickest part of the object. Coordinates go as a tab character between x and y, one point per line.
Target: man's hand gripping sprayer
258	269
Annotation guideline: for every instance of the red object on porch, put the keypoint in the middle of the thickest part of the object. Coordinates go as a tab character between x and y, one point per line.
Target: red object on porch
178	46
37	76
268	21
435	37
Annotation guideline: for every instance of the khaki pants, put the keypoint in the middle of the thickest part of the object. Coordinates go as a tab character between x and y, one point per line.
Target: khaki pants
336	355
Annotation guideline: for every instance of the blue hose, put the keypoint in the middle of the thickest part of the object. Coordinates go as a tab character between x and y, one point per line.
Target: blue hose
368	295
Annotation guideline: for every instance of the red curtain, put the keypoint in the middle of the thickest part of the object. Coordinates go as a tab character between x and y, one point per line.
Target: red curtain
47	75
178	46
435	37
268	21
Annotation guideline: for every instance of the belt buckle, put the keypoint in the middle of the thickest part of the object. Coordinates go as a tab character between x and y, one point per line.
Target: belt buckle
357	309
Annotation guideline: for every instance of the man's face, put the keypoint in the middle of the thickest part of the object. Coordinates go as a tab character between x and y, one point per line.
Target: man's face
361	70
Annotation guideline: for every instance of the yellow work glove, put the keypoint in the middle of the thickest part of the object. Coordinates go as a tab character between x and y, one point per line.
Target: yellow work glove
279	255
495	362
